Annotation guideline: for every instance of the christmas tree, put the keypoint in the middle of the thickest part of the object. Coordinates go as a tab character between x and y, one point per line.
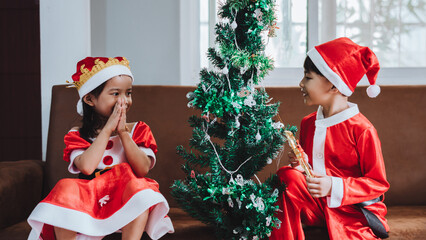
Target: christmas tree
235	136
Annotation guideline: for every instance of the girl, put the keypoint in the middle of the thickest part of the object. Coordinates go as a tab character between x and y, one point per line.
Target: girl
112	158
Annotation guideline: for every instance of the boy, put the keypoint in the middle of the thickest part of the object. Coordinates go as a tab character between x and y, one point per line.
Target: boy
342	147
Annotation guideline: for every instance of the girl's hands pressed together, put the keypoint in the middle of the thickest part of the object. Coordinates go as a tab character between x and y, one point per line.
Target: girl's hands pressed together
121	126
320	186
114	119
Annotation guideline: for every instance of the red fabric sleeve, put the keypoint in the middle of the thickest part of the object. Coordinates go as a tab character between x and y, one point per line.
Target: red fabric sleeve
73	141
143	137
373	183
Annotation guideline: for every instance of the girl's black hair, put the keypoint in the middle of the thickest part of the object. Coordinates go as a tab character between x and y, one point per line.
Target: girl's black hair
309	66
91	121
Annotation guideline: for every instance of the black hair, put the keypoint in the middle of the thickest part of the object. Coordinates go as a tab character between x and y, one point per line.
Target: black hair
309	66
91	121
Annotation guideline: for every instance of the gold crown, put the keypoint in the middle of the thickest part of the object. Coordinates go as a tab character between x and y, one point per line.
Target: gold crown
99	65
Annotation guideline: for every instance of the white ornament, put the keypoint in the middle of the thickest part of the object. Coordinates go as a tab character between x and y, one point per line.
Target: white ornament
260	204
253	200
249	101
258	137
234	25
190	104
225	70
277	125
268	221
268	161
275	193
226	191
230	202
236	105
239	203
191	95
240	180
237	123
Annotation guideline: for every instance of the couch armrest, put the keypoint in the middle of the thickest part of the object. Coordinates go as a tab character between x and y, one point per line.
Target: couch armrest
20	189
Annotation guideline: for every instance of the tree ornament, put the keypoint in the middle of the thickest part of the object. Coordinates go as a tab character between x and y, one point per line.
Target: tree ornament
258	14
258	137
230	202
249	101
240	180
225	70
277	125
234	25
190	96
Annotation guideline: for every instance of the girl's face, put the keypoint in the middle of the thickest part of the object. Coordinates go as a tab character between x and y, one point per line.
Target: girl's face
315	89
115	88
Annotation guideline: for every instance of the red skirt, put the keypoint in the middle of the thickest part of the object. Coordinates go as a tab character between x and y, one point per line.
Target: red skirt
101	206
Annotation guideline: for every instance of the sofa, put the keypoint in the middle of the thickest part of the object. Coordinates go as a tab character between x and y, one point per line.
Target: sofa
398	113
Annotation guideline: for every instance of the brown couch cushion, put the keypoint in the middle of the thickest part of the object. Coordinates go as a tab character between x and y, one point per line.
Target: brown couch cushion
397	113
20	189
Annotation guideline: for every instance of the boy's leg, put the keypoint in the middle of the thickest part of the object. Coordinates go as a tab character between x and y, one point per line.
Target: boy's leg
347	222
297	206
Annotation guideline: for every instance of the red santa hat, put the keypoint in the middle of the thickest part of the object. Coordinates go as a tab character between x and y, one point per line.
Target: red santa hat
93	71
344	63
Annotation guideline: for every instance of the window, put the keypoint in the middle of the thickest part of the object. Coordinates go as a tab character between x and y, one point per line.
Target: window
394	29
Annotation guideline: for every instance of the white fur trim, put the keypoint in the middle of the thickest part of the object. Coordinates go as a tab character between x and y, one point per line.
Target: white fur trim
328	72
99	78
373	91
71	167
336	118
151	154
318	151
157	226
321	125
337	191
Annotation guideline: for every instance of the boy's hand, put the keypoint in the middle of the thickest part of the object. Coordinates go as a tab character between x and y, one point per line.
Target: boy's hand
319	186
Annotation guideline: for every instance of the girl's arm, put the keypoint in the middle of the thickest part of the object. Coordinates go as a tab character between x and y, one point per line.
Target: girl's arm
89	160
137	159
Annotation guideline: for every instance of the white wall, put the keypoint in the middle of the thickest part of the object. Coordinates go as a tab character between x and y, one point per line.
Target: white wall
144	31
64	40
147	32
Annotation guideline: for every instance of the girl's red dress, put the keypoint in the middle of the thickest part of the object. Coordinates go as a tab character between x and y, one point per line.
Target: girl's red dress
101	206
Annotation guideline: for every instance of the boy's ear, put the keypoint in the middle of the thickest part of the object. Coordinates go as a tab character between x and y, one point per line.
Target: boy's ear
334	89
88	99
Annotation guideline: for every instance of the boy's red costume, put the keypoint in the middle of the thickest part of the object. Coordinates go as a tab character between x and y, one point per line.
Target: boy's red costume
336	146
344	146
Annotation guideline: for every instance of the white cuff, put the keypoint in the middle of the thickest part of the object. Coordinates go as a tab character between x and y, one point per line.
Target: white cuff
151	154
75	153
337	190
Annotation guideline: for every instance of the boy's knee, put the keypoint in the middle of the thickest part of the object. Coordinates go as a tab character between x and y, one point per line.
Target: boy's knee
289	175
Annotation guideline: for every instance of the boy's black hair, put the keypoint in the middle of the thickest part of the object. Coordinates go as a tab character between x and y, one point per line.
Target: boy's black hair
91	121
309	66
